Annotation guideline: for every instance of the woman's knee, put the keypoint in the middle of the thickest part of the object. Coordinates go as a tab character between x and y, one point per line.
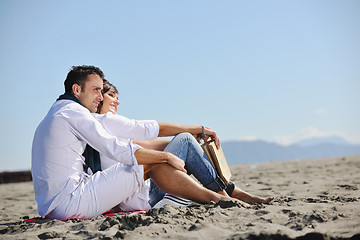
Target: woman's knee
185	136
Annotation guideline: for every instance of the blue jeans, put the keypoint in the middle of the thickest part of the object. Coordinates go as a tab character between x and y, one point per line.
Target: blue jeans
185	146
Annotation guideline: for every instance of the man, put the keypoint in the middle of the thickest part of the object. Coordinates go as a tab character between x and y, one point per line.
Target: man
63	190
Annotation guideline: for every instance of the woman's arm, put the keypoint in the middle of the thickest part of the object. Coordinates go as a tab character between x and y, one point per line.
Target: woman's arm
123	127
171	129
158	145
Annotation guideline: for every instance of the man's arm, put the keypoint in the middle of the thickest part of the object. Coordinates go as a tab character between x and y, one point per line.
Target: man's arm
159	145
149	156
171	129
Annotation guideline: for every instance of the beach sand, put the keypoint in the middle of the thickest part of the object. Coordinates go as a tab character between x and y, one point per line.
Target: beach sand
314	199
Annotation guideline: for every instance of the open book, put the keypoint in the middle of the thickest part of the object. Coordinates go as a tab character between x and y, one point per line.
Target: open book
217	159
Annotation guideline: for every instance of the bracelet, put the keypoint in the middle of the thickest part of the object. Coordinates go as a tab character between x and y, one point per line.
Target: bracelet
202	134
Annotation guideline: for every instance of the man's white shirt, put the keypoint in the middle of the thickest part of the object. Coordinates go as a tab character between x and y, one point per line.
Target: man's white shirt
61	138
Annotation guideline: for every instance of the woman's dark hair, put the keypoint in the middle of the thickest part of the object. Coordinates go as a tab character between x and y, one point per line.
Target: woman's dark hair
107	87
78	75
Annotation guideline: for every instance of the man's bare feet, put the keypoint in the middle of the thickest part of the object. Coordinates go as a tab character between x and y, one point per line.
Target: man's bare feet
243	204
256	199
249	198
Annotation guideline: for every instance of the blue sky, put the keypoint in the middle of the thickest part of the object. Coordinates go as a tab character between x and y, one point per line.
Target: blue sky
272	70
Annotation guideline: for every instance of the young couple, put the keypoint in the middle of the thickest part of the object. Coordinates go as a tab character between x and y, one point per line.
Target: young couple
86	115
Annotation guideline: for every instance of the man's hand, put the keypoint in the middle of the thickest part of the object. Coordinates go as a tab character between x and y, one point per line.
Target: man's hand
149	156
176	162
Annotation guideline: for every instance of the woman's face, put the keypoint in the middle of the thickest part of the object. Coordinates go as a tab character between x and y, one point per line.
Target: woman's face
110	102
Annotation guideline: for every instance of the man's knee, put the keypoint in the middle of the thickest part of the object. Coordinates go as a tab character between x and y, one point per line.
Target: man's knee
147	170
151	168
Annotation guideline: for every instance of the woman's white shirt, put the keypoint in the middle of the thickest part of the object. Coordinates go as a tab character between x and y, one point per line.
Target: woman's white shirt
126	130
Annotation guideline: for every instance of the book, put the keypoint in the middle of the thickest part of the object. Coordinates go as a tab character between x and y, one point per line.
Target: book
218	160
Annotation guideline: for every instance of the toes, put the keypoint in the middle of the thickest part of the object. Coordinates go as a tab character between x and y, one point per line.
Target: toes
267	200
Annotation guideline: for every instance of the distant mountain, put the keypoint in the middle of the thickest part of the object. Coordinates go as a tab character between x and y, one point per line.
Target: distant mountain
316	141
237	152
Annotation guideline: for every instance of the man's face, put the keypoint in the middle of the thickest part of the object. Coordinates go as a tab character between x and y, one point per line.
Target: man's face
90	96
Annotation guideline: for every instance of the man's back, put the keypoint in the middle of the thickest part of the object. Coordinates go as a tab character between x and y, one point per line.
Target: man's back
57	162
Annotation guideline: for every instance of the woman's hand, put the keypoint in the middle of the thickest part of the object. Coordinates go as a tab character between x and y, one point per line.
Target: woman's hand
176	162
212	134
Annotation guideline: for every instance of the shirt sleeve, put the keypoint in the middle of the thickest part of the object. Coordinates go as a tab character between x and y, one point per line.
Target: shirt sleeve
123	127
83	124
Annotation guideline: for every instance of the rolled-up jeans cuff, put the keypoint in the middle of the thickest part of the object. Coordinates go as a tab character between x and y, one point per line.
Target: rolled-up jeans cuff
217	185
230	188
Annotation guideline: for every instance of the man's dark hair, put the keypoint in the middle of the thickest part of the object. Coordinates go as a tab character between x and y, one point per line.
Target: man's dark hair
78	75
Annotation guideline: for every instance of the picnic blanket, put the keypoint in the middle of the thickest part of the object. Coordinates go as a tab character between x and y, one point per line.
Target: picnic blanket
106	214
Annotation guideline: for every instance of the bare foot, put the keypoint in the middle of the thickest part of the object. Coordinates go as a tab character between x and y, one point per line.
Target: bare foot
242	203
249	198
256	199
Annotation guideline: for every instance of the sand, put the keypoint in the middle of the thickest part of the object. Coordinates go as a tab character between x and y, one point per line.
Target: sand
314	199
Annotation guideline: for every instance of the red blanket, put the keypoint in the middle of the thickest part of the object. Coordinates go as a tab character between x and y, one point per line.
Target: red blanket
106	214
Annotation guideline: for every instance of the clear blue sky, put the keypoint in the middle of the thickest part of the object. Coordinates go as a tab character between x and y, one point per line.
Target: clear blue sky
272	70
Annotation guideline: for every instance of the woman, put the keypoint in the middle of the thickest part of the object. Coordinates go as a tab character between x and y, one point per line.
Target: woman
186	147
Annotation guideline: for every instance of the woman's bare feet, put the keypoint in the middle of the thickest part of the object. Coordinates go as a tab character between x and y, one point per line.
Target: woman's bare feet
249	198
